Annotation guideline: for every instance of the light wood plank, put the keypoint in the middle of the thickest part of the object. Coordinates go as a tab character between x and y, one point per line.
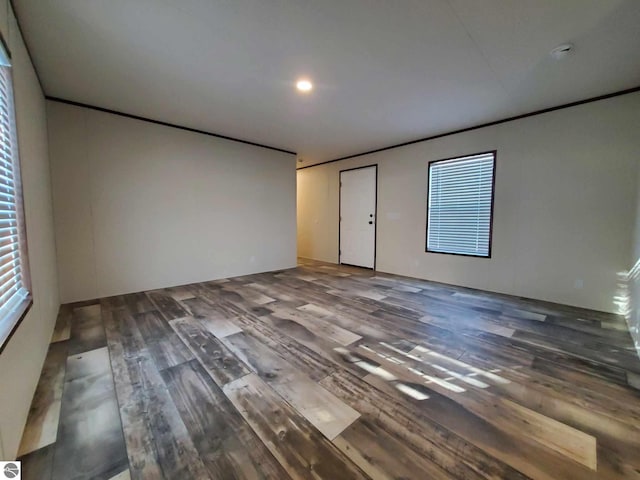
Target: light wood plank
383	457
321	408
299	447
126	475
249	295
317	325
573	443
214	320
62	330
42	424
540	317
180	293
90	441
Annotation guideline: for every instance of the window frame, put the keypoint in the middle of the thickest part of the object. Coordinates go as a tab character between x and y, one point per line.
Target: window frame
491	213
13	319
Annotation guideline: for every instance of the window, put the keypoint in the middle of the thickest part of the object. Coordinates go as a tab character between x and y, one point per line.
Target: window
460	205
15	298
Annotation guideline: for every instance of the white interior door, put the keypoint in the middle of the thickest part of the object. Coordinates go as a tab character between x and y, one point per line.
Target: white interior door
358	216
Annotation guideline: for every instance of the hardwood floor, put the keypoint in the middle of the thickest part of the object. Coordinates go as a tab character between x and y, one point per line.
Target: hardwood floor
327	372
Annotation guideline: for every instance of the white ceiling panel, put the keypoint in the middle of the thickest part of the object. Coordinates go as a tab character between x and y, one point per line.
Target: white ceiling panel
384	71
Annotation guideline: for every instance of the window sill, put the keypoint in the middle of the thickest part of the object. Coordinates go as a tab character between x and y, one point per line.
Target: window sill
459	254
16	318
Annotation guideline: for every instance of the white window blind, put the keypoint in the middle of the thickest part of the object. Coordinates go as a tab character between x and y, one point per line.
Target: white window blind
460	205
13	261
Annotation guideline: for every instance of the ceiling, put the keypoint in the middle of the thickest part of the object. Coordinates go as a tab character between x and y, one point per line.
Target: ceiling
385	72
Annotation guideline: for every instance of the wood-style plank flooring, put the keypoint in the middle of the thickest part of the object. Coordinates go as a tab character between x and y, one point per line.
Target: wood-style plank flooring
327	372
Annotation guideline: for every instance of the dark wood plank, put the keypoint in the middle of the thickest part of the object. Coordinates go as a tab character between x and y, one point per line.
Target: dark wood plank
419	431
87	329
38	465
310	362
137	303
158	443
222	365
516	450
167	305
151	325
83	303
163	344
227	445
382	455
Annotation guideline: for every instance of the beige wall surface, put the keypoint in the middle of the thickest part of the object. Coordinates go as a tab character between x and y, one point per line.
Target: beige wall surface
141	206
564	205
22	358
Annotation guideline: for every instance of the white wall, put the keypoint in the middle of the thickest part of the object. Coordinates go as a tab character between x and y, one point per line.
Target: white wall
22	358
141	206
564	205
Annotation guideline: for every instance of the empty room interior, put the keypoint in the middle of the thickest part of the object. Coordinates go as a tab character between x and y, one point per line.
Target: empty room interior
331	240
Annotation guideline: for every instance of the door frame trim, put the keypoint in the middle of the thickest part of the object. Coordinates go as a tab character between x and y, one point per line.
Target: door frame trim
375	229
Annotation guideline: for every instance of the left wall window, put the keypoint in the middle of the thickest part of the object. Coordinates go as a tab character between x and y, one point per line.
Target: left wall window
15	296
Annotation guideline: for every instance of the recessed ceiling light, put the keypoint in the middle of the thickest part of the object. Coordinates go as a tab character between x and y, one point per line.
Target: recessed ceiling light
304	85
562	51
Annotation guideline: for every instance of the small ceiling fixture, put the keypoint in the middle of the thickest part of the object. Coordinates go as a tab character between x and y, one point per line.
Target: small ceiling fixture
304	85
562	51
